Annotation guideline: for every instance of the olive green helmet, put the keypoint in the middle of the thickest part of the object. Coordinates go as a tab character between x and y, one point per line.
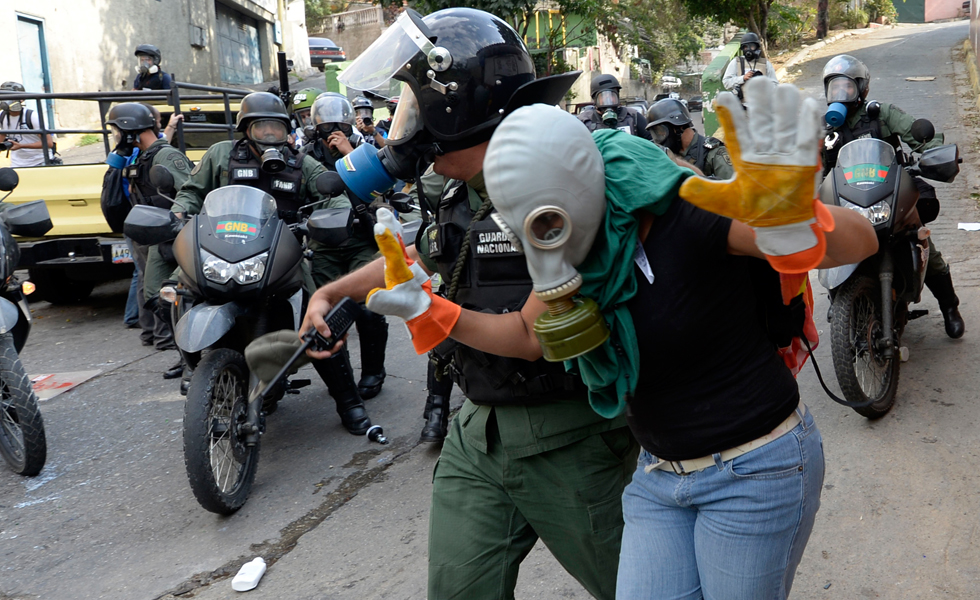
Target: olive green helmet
304	98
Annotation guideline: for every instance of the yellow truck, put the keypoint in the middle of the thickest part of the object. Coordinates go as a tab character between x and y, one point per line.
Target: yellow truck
81	250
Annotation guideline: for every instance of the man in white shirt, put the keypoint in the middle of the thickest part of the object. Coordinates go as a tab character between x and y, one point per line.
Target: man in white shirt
24	149
746	66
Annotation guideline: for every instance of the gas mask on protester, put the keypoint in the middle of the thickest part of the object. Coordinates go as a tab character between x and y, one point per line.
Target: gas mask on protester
12	107
751	52
552	214
269	137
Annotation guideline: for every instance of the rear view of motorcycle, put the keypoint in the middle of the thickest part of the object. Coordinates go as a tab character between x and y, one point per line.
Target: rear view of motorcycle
870	300
22	440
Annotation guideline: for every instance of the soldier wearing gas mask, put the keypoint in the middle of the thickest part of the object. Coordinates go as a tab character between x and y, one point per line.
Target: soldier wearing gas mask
149	76
750	63
464	70
671	127
302	122
332	136
846	83
136	132
265	160
606	113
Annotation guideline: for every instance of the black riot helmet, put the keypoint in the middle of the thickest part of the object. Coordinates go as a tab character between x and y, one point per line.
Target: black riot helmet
605	91
464	69
12	86
666	120
750	46
846	80
131	116
362	102
260	105
149	50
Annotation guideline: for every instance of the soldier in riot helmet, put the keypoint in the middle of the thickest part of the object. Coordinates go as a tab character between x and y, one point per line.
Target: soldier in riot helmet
149	75
607	113
671	127
332	126
264	159
847	81
463	70
749	63
302	121
139	148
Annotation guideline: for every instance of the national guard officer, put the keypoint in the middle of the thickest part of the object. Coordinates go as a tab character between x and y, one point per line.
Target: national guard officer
671	127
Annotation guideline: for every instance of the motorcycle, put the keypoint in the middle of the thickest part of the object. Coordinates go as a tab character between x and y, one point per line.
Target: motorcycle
22	440
870	300
241	277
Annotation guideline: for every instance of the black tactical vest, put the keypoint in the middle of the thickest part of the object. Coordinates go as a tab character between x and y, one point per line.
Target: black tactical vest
244	168
138	174
697	153
867	128
626	122
495	279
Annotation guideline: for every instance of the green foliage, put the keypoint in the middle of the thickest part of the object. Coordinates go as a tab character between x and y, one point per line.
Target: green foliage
750	14
840	16
881	8
788	23
89	138
317	9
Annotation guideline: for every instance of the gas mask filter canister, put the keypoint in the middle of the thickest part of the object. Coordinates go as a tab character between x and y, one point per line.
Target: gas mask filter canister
550	201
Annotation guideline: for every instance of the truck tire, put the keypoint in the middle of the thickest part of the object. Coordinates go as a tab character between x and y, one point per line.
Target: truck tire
54	286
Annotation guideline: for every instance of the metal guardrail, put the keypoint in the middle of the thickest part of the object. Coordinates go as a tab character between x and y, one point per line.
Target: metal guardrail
172	97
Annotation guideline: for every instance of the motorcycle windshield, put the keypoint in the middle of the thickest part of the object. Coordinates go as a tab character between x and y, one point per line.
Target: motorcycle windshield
865	163
237	213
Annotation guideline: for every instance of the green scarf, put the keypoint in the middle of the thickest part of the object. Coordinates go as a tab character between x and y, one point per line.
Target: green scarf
638	176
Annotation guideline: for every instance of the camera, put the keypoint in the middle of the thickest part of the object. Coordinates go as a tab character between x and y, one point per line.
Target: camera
367	121
6	145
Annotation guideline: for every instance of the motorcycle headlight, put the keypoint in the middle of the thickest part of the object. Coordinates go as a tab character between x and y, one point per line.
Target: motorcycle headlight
215	269
876	213
252	269
247	271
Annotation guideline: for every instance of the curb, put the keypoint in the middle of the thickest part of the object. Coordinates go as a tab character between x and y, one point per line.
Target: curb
972	70
804	53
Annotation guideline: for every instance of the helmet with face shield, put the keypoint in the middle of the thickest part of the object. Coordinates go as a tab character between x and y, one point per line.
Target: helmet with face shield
127	121
302	103
605	91
264	120
845	80
332	112
666	120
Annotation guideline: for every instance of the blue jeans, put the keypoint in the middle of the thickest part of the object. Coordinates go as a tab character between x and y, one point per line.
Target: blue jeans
734	531
132	316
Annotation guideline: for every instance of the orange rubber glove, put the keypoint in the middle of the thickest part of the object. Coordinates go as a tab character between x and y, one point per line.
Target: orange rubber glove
408	290
775	152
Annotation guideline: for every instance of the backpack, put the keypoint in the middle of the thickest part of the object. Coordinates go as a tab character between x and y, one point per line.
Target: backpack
115	204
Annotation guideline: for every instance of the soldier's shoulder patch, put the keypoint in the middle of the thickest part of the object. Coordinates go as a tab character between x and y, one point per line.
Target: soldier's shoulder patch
711	143
728	159
196	168
180	164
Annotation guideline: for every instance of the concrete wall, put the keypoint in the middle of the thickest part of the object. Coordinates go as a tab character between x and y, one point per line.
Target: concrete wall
90	43
975	31
937	10
353	31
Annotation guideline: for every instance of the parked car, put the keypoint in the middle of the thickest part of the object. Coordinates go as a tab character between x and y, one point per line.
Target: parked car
639	104
660	97
695	103
323	51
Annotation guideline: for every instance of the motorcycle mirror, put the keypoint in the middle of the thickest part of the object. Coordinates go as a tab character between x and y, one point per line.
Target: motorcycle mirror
331	226
162	179
30	219
401	202
8	179
923	131
330	184
150	225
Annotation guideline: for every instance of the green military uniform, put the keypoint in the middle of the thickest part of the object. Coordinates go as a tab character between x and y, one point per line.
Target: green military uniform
212	173
180	167
511	474
710	155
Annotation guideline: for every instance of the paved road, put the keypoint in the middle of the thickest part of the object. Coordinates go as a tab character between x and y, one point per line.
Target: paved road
112	516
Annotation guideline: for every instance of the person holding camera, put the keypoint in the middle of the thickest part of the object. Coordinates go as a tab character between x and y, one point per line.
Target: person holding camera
334	137
364	111
149	76
24	149
750	63
139	147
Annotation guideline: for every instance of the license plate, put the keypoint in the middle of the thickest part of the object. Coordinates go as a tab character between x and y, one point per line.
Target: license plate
197	118
120	254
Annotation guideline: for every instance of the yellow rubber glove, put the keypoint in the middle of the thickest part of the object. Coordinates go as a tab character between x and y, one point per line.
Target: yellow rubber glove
408	290
775	151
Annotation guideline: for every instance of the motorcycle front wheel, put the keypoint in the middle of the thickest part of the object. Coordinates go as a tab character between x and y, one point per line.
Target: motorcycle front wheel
22	440
863	373
220	467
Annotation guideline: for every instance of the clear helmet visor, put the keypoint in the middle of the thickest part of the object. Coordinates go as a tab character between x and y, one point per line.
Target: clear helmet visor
304	117
408	118
332	109
268	131
659	132
841	89
364	113
399	44
606	98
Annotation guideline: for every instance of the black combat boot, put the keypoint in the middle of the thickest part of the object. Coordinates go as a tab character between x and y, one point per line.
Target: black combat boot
436	406
373	331
337	373
941	287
